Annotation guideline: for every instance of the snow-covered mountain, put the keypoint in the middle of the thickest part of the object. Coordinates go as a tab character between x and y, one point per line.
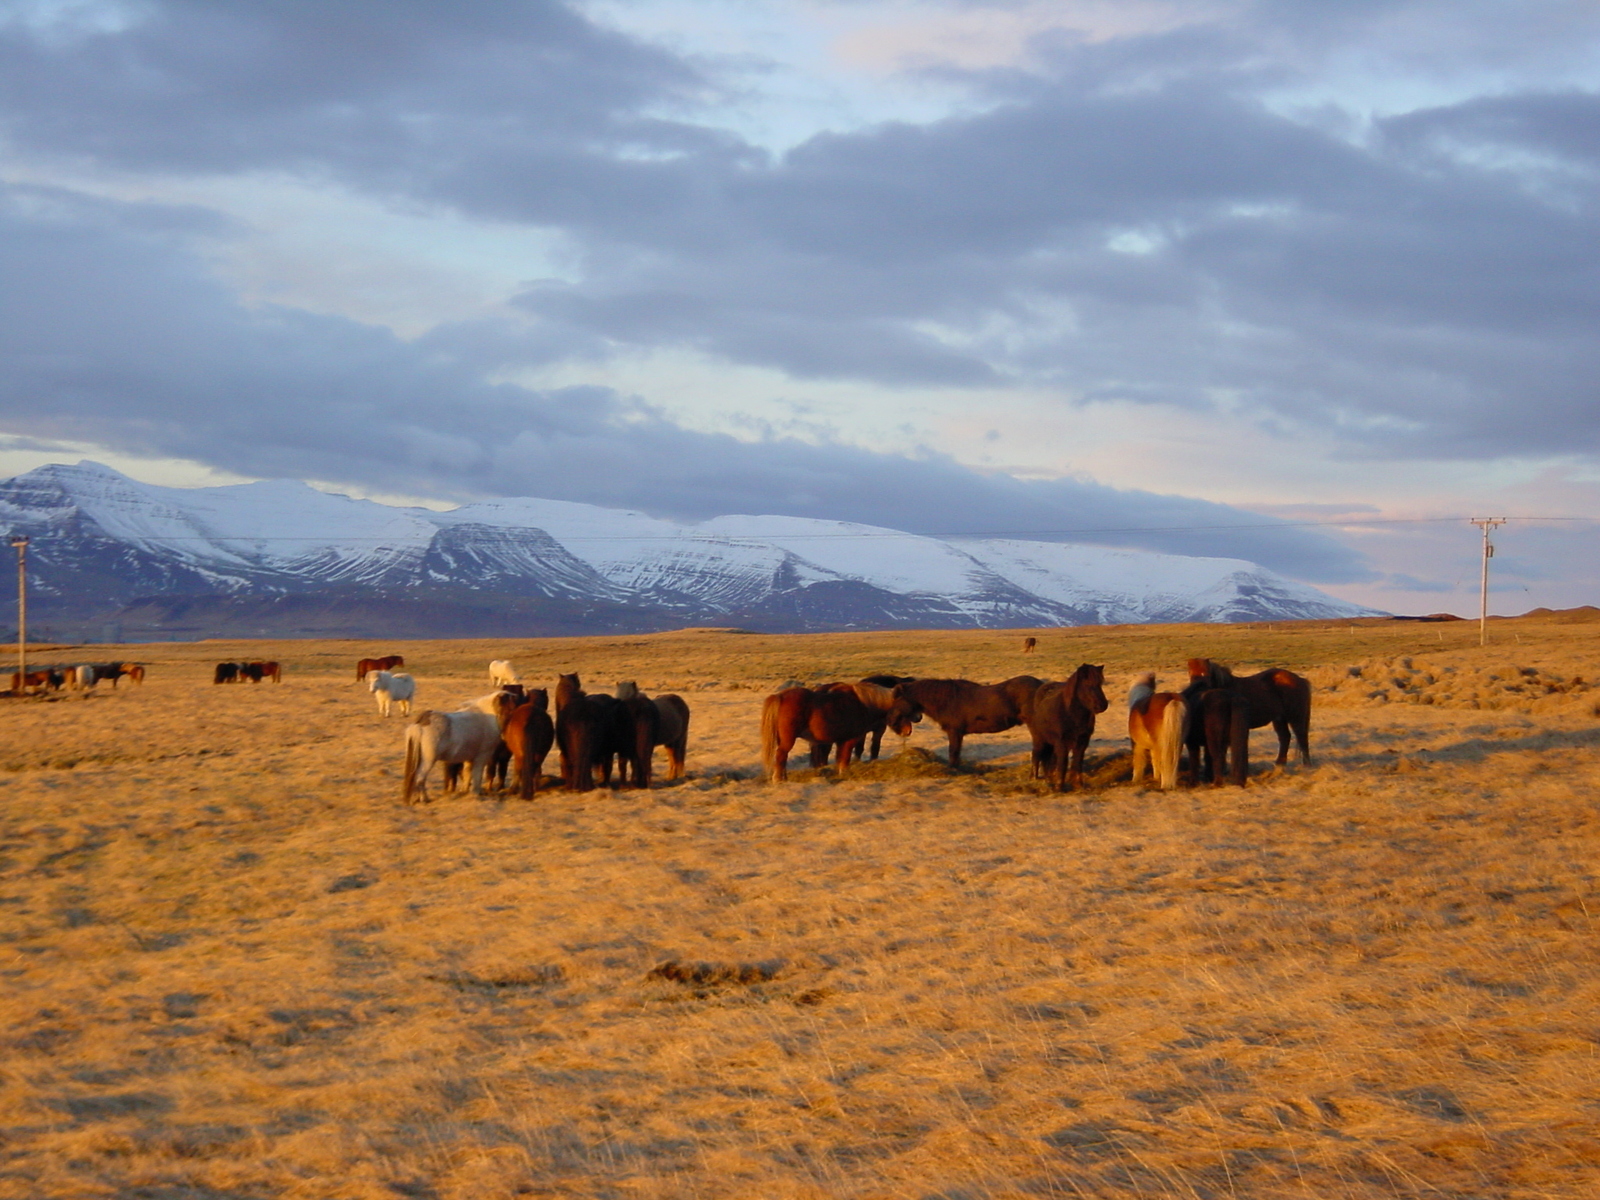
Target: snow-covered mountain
282	558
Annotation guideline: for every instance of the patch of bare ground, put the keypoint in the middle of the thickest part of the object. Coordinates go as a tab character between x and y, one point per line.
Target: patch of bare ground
235	966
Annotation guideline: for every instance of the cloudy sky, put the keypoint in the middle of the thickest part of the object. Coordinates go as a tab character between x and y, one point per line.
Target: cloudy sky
1299	281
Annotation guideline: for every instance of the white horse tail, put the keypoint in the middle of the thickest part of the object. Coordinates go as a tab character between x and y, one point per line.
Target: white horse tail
413	758
1169	742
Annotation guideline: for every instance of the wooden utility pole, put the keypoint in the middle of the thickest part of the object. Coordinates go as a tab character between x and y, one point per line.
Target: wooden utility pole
20	544
1485	524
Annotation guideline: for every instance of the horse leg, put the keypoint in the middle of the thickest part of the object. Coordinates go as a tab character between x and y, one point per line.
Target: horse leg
820	752
1280	726
1079	747
847	749
780	763
877	742
1302	733
1240	748
956	736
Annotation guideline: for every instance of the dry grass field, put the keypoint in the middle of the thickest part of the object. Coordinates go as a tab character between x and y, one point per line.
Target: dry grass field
235	966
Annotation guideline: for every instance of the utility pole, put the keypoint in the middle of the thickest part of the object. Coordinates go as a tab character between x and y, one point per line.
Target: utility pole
20	543
1485	524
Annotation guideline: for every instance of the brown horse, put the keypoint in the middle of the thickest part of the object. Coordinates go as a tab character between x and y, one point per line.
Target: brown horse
583	726
1273	697
387	663
960	707
133	672
671	730
528	735
834	718
1029	645
1061	720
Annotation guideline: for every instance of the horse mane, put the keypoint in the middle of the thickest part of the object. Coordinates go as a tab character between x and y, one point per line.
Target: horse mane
874	695
1141	689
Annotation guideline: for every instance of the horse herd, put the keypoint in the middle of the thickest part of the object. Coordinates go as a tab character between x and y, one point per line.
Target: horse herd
255	672
511	731
1211	719
79	677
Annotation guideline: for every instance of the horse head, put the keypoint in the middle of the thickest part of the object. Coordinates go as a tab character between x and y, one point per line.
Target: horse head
1091	687
540	699
903	713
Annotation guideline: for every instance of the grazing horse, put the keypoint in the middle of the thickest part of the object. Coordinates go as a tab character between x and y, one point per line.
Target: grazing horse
251	671
528	735
390	689
226	672
1273	697
458	737
134	672
1029	644
835	715
960	707
502	672
874	740
48	679
1061	721
1218	729
1158	724
387	663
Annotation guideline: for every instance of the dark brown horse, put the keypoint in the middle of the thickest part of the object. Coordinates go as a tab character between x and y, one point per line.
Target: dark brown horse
387	663
581	727
1029	645
528	735
226	672
1218	730
635	723
960	707
1273	697
1061	720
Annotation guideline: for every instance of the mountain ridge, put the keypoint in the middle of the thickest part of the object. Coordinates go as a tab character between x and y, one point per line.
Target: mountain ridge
280	558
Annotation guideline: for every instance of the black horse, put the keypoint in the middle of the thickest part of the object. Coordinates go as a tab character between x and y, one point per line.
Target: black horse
1062	722
960	707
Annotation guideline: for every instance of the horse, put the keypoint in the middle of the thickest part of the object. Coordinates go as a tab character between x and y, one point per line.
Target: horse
1061	720
1218	727
1158	724
874	740
632	734
257	671
501	671
1029	644
1274	696
672	731
528	735
83	677
498	704
960	707
835	715
48	679
387	663
391	689
134	672
251	671
581	725
110	670
458	737
226	672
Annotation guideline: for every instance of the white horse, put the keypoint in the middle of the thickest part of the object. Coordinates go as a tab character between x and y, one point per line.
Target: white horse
1157	722
82	676
458	737
392	688
501	672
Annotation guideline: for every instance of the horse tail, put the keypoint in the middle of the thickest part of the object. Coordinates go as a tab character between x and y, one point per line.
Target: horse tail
413	758
1169	742
769	738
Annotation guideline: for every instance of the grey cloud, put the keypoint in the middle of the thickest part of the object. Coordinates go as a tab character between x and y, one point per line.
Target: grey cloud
133	345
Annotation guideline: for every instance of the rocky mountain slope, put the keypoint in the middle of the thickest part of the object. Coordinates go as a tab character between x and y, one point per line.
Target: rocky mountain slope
281	558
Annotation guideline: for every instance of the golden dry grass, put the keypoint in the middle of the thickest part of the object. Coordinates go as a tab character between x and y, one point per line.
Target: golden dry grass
235	966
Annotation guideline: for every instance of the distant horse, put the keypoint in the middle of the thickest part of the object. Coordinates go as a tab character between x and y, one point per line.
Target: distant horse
387	663
255	672
134	672
392	688
1158	723
1273	697
1061	721
112	671
501	671
528	735
226	672
82	677
458	737
47	679
250	671
960	707
1029	644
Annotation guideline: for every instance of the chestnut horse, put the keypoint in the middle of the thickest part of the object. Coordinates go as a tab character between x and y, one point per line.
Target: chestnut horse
1061	720
1158	723
960	707
832	716
528	735
1273	697
387	663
